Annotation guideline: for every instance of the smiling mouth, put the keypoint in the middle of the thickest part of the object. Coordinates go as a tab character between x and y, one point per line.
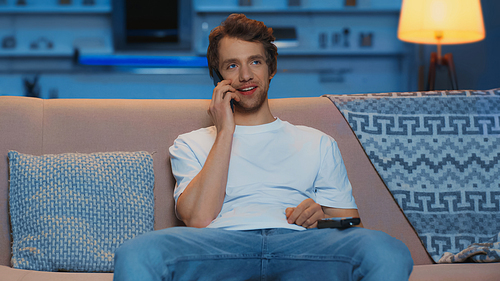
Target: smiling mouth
246	89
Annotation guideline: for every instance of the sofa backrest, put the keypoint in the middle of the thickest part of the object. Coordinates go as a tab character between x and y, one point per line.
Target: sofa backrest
37	127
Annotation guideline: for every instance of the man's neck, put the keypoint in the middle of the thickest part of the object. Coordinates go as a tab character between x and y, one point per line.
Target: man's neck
260	117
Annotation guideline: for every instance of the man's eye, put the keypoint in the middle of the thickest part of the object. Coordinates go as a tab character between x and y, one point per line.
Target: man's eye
231	66
256	62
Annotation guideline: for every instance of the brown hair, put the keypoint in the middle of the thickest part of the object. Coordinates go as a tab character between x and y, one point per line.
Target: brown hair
240	27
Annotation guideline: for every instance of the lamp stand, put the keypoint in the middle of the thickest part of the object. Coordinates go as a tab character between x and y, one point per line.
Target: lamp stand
446	60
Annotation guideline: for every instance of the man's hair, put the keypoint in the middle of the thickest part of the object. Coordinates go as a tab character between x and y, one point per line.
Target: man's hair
240	27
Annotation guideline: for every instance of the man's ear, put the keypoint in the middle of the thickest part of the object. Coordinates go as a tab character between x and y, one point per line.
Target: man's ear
272	75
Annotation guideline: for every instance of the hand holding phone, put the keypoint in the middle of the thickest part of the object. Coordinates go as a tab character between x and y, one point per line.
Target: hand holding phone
338	222
217	77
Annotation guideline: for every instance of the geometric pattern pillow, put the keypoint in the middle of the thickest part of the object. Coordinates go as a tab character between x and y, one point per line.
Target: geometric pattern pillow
70	212
438	153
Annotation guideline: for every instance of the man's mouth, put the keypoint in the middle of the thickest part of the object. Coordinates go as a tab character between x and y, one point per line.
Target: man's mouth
247	90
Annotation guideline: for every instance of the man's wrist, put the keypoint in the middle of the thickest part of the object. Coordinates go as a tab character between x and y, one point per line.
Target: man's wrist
225	132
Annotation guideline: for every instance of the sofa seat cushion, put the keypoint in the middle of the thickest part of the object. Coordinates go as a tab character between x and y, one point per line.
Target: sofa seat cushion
69	212
455	272
439	154
13	274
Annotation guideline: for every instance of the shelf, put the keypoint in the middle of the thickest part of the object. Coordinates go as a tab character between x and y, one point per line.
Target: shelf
56	10
286	10
37	54
148	61
340	54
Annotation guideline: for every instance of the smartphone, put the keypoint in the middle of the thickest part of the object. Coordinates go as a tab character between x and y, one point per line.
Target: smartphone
217	77
338	222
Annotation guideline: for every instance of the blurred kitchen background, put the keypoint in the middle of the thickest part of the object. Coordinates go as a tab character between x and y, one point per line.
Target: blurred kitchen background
156	48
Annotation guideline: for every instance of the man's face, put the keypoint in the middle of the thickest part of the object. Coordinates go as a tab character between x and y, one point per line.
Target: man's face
244	63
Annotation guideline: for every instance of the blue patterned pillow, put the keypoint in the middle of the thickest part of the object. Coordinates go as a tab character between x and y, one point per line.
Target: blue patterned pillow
70	212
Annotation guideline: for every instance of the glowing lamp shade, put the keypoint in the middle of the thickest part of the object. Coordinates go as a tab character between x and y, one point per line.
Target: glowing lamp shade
441	21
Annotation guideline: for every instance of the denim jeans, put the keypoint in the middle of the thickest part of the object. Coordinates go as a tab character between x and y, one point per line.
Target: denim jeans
184	253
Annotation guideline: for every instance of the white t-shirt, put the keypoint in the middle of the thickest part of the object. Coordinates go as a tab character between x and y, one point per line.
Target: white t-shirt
273	166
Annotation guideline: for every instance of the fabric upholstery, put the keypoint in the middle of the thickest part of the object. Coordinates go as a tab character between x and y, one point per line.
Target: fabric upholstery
70	212
454	272
20	129
438	152
477	252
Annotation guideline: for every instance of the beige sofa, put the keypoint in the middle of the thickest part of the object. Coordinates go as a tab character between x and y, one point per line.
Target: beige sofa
37	126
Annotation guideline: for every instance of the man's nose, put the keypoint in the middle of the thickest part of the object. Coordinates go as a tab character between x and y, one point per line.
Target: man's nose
246	74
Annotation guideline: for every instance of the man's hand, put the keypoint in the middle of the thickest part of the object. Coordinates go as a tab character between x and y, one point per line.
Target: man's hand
220	108
306	214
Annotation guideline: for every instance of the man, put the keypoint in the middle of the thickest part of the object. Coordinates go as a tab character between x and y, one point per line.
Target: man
251	189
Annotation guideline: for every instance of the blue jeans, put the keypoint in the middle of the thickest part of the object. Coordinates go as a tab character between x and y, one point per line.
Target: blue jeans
184	253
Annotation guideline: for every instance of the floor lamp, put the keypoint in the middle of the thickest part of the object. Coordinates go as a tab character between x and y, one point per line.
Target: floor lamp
441	22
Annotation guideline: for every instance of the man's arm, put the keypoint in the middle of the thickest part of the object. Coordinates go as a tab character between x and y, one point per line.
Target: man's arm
308	212
202	200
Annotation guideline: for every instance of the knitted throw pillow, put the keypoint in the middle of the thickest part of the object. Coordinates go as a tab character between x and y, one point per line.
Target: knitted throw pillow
70	212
